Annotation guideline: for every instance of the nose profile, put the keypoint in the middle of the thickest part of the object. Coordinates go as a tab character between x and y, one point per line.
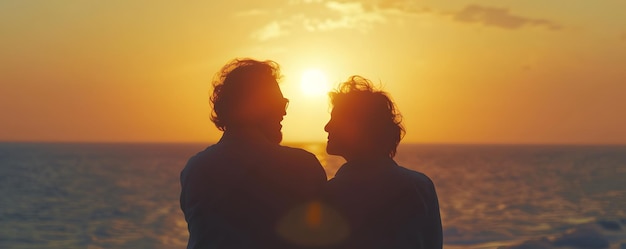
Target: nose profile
285	105
326	127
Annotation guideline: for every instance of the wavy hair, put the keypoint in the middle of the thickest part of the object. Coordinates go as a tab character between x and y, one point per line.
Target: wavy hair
375	111
235	82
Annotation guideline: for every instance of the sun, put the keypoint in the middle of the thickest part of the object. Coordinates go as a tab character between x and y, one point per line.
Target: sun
314	83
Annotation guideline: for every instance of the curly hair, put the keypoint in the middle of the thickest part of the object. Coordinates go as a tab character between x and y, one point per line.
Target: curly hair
235	82
375	111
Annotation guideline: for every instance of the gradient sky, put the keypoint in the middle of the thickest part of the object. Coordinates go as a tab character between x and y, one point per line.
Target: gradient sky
488	71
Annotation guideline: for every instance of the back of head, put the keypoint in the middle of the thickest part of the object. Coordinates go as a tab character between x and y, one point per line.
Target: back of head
372	110
243	84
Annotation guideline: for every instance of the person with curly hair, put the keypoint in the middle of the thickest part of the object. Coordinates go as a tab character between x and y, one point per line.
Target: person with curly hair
385	205
235	192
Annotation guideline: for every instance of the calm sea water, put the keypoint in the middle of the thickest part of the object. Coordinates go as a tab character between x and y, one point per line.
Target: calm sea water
126	195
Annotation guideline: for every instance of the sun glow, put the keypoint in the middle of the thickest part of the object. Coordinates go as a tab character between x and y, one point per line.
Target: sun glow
314	82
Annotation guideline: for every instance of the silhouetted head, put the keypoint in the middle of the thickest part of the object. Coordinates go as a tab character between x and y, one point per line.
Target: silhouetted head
246	96
364	121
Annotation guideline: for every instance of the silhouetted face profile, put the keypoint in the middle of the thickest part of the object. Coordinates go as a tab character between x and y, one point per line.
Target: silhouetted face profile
246	97
268	108
345	136
364	122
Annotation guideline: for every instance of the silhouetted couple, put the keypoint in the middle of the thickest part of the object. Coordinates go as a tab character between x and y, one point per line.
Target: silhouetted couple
247	191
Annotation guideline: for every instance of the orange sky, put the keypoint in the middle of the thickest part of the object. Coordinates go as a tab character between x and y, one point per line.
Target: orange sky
494	72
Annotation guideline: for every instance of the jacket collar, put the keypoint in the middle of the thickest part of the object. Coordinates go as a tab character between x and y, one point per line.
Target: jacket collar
365	166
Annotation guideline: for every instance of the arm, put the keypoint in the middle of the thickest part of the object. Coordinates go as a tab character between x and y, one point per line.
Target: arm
433	234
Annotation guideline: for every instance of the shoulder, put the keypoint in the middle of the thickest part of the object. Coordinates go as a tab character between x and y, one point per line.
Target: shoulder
295	152
297	155
206	160
416	177
303	160
207	154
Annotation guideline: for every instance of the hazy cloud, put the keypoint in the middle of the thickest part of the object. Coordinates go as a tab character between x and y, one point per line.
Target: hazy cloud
402	6
345	7
329	15
269	31
294	2
319	16
343	15
352	15
500	17
360	23
386	6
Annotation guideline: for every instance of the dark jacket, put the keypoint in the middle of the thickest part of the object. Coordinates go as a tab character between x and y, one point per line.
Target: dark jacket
386	206
234	192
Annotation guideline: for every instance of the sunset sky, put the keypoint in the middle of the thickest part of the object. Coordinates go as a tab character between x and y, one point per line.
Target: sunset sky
488	71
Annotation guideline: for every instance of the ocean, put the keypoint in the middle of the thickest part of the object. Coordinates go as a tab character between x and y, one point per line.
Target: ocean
71	195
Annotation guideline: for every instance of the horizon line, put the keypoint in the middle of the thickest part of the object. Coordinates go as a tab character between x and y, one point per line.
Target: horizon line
318	142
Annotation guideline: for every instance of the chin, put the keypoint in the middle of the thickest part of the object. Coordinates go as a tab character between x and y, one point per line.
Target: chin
276	137
273	133
330	149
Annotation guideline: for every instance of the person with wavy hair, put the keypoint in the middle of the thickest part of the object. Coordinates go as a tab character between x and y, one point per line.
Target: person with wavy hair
384	204
246	92
234	192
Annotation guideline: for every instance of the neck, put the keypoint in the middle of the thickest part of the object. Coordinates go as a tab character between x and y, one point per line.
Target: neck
366	157
247	134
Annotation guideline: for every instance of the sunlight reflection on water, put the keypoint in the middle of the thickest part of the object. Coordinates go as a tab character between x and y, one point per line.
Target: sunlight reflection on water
126	196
